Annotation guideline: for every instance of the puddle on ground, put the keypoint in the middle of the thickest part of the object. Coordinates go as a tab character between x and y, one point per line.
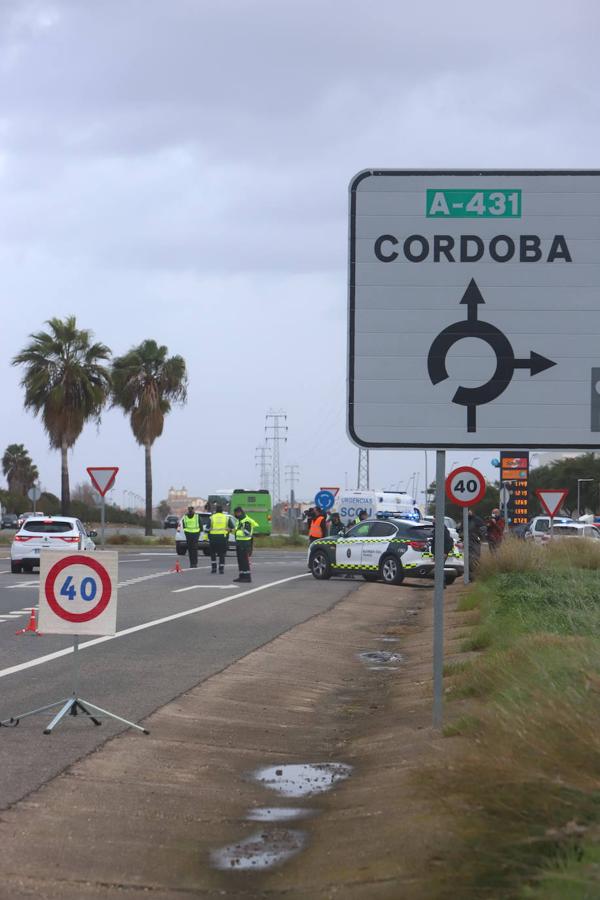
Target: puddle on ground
261	850
383	668
374	657
278	814
391	640
299	780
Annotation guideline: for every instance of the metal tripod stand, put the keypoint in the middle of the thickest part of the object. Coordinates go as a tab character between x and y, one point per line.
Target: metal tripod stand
73	705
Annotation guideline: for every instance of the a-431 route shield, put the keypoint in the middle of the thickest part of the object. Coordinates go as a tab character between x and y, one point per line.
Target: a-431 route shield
474	318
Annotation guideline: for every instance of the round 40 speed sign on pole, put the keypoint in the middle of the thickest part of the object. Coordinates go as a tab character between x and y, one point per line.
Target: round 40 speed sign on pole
465	486
78	593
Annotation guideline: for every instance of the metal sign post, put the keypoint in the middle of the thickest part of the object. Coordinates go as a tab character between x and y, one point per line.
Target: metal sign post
438	591
466	544
102	520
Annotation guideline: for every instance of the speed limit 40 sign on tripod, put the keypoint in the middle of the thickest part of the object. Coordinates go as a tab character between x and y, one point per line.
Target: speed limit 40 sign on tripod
78	595
465	486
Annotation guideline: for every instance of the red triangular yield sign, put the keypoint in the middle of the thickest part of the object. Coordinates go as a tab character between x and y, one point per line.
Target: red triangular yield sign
102	477
552	499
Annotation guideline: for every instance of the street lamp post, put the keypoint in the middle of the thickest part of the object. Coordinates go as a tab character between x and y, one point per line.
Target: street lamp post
579	482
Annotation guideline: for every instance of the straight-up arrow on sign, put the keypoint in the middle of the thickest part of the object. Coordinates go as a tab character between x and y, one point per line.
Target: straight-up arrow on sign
552	499
102	477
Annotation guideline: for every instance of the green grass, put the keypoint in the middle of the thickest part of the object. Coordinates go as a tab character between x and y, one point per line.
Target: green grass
280	542
138	540
525	792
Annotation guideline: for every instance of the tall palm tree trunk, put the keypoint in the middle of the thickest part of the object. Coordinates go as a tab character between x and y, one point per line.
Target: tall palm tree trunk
147	451
65	494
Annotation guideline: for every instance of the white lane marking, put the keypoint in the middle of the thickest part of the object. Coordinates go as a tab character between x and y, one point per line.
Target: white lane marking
4	571
22	584
40	660
214	587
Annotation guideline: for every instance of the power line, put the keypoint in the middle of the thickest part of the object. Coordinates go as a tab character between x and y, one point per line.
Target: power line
262	459
276	433
292	476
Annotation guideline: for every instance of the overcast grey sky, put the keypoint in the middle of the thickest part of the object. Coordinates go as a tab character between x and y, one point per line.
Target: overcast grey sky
178	170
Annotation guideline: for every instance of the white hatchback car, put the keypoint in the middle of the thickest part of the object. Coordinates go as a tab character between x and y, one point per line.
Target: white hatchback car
181	543
50	533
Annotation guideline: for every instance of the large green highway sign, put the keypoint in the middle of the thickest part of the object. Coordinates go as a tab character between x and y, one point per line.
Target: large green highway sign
474	309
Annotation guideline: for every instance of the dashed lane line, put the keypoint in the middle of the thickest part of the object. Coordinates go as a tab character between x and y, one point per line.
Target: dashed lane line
40	660
214	587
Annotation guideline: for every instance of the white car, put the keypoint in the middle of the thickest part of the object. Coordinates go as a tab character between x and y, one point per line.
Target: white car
540	527
573	530
450	525
181	543
48	533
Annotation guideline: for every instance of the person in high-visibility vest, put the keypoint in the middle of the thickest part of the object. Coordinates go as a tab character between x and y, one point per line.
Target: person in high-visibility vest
318	526
191	529
244	531
219	528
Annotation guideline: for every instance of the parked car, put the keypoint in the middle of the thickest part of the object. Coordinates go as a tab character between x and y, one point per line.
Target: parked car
49	533
181	543
171	522
573	530
9	520
540	526
450	525
387	550
28	515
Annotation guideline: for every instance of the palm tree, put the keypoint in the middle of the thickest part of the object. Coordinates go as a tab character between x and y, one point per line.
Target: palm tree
66	383
17	465
146	382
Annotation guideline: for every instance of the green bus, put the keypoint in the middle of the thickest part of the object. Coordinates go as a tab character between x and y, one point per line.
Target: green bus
258	506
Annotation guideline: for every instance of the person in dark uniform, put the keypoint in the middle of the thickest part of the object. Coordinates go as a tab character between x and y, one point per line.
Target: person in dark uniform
476	529
191	529
218	530
244	530
336	526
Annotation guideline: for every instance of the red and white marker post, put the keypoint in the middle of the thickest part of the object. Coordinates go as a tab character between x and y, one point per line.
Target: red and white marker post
552	499
103	479
465	486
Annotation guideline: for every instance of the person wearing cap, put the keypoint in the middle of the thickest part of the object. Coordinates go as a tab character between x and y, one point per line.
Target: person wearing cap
191	529
244	531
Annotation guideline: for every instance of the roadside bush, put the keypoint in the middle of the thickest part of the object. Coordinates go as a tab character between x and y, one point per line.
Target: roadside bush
524	791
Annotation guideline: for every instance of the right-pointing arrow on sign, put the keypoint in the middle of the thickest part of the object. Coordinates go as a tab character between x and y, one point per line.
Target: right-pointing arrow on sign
536	363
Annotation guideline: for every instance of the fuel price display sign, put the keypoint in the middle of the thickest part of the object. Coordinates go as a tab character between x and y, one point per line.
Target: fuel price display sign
514	477
78	593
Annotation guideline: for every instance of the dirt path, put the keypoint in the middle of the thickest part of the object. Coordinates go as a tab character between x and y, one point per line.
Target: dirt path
148	813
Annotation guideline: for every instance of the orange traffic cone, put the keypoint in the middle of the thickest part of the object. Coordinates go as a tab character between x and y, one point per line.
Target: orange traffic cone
31	625
176	567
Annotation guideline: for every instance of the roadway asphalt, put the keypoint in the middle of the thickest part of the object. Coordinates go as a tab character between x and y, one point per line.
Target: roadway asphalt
134	674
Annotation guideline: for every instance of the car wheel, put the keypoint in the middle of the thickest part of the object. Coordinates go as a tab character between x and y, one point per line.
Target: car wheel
390	570
449	577
28	567
370	576
206	551
320	565
181	549
16	568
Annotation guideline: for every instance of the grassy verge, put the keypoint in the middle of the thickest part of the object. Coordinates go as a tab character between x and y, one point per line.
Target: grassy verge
525	789
280	542
139	540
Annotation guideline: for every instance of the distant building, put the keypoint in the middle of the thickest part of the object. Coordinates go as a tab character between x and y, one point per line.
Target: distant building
179	500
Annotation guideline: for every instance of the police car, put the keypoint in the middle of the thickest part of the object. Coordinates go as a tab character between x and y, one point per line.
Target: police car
383	549
181	543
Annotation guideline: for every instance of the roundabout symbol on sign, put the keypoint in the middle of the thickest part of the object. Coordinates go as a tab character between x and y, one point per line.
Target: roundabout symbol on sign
465	486
95	589
506	363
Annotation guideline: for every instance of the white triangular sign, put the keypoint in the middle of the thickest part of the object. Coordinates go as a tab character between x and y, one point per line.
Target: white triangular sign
552	499
102	477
